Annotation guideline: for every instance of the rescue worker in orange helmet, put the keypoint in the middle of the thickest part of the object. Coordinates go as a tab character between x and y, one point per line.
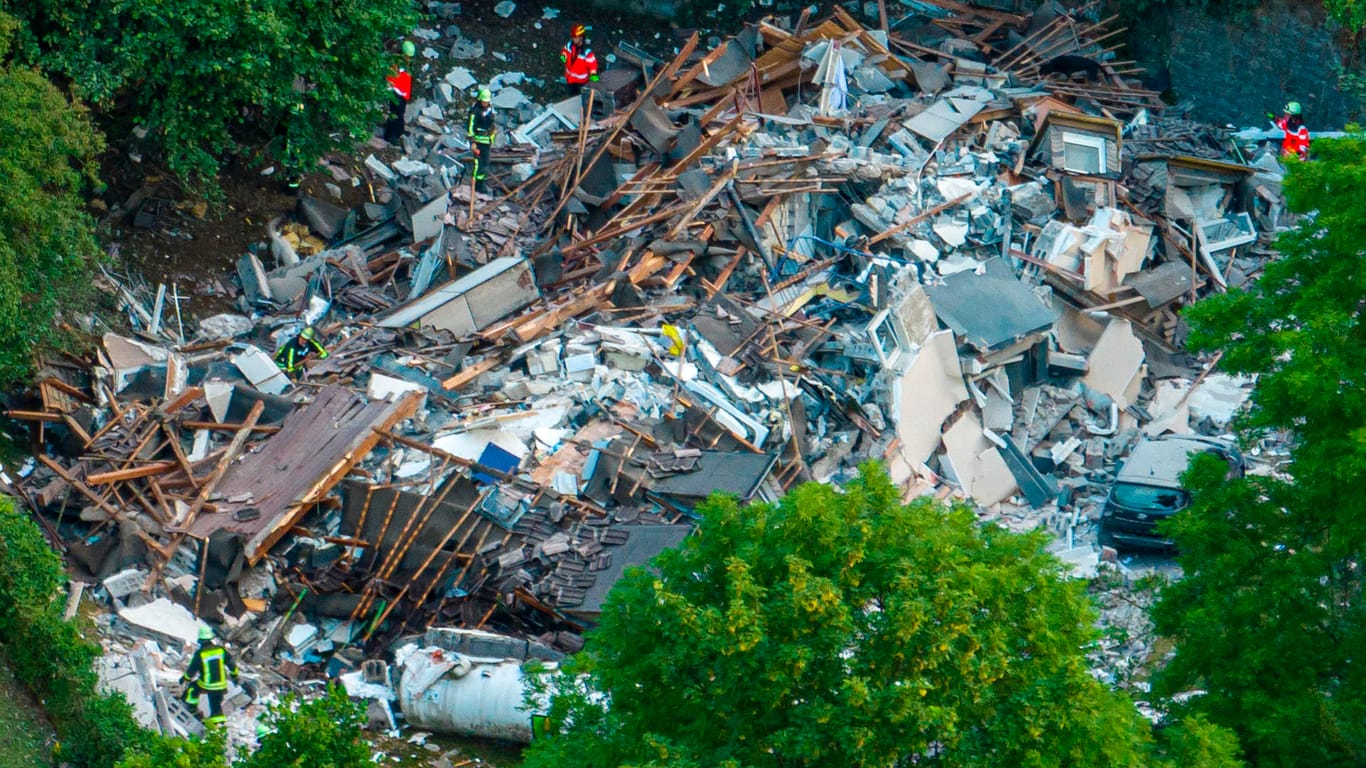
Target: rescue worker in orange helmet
580	65
1296	141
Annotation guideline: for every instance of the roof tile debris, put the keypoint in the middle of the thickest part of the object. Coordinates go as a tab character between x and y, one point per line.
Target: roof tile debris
804	249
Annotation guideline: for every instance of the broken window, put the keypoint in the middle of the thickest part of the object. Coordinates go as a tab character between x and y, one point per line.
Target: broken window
1083	154
1229	231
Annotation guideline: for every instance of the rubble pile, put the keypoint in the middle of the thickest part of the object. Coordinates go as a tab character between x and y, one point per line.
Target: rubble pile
959	249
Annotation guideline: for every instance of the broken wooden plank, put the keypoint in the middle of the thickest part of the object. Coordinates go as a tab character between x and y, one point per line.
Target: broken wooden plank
120	475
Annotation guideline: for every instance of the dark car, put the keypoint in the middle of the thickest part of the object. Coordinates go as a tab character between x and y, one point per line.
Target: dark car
1148	489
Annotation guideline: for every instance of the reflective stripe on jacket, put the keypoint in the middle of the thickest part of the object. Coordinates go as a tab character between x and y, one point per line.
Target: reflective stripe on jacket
579	64
401	83
209	669
292	355
481	127
1296	141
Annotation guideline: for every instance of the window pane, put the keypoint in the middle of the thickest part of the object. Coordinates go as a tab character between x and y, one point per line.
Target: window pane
1081	158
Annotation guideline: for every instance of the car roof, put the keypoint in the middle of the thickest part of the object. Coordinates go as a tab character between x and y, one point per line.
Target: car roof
1161	461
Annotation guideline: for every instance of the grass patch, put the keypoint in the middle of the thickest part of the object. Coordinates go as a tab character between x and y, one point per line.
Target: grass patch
25	734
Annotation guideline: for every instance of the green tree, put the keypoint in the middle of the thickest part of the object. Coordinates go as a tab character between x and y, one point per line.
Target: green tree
324	732
319	733
163	752
844	629
47	244
207	78
1269	619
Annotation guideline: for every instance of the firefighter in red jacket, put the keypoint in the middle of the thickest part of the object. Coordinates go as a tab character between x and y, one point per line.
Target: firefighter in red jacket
580	65
401	92
1296	141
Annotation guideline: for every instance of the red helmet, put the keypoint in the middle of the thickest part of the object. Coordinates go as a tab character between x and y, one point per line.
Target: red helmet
578	30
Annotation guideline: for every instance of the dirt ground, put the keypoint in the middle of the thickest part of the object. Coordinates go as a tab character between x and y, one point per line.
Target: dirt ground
531	44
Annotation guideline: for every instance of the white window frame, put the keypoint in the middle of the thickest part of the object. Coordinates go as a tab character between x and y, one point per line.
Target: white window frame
1094	142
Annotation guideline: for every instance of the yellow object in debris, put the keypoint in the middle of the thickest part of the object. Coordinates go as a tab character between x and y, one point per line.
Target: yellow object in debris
675	336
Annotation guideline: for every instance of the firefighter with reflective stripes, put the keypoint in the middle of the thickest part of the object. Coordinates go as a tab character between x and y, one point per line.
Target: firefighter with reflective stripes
291	356
580	65
481	132
208	674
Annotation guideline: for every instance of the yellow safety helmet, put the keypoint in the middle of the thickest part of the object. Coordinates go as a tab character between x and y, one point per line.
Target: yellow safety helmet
409	49
308	332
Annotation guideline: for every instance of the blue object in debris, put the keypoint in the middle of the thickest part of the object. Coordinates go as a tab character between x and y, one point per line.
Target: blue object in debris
494	457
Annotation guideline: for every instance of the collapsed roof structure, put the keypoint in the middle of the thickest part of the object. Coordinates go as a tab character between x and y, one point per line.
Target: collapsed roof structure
813	245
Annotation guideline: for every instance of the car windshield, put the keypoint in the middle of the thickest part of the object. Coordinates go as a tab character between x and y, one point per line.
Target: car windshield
1149	497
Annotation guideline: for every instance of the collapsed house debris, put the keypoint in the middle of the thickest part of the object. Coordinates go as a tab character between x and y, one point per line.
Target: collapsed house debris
814	245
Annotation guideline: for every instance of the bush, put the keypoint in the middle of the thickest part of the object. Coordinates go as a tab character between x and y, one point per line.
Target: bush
49	654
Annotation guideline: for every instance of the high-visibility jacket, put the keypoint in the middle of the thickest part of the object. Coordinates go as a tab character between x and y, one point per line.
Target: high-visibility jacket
481	128
1296	141
401	83
579	63
210	667
292	355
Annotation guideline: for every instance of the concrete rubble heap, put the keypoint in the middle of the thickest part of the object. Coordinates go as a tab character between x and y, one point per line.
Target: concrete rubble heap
814	245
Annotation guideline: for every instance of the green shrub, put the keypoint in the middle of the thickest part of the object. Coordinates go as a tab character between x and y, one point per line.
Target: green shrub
49	654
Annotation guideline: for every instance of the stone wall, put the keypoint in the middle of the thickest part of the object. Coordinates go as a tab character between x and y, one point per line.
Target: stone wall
1236	69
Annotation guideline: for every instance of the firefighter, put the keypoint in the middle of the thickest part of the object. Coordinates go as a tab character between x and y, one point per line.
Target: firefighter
208	674
580	65
291	356
401	92
1296	141
481	132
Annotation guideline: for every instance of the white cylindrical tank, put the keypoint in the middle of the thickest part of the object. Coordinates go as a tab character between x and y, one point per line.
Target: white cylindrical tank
449	693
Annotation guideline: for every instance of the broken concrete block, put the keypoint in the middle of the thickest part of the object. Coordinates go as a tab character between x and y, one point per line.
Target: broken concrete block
509	98
923	250
379	168
225	326
163	620
125	583
412	168
460	79
952	232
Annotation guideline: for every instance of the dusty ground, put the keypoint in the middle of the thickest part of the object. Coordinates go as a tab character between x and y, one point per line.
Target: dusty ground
531	44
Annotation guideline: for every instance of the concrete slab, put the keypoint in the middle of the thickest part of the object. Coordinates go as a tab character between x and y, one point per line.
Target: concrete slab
926	395
1116	364
163	619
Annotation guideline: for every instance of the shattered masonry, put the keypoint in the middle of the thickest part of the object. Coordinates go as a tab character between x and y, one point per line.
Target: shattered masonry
755	266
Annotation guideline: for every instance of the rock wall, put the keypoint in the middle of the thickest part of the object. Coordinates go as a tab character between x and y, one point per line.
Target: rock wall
1235	69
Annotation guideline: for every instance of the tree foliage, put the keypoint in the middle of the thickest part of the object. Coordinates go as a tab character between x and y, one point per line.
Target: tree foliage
47	244
1269	619
165	752
844	629
206	77
318	733
50	655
